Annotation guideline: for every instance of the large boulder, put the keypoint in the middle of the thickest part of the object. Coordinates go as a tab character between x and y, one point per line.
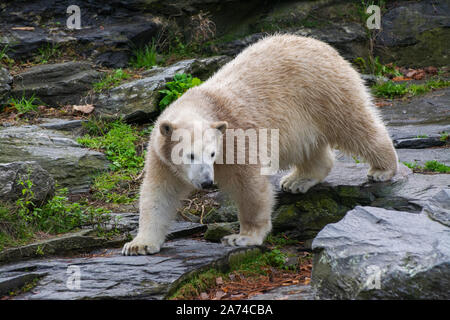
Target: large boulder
68	162
56	84
375	253
302	216
138	100
415	34
12	174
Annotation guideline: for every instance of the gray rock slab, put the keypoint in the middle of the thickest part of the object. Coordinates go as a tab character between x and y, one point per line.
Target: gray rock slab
107	274
294	292
69	163
141	96
86	240
61	124
375	253
432	108
412	131
56	84
421	156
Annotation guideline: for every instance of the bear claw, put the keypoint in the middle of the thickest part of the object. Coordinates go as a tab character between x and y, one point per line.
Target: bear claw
135	248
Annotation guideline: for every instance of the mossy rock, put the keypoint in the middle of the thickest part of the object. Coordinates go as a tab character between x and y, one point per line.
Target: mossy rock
307	216
216	231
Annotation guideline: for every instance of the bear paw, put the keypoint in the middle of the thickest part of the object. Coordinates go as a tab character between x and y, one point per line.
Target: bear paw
294	184
380	175
139	247
240	240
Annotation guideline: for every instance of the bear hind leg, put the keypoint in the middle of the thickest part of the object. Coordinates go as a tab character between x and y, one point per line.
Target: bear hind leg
310	172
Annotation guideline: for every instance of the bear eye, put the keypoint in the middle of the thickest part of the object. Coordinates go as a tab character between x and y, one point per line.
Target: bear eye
213	154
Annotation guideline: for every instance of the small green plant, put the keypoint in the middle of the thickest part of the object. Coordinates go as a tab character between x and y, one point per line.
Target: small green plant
120	142
24	105
411	165
4	58
436	166
174	89
390	89
111	80
375	67
48	52
144	57
430	166
422	136
444	136
119	145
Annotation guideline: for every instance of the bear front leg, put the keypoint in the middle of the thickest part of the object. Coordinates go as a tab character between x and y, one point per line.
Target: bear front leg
254	197
159	199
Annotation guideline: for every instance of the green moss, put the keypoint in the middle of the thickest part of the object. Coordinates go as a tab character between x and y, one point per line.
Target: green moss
286	214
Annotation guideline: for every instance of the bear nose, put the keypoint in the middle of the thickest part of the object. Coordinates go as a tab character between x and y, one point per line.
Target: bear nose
207	184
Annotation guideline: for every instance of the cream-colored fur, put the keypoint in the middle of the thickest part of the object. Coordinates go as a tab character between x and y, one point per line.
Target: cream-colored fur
298	85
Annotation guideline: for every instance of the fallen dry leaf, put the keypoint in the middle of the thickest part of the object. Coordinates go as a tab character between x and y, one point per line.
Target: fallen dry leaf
401	78
23	28
204	296
87	108
219	281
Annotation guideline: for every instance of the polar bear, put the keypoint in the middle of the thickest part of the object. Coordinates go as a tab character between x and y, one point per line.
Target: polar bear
298	85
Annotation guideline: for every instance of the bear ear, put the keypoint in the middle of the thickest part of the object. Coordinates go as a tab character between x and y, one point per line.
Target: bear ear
166	128
220	125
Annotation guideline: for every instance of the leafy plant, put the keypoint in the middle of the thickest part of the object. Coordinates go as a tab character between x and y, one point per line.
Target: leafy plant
444	136
144	57
436	166
4	58
375	67
111	80
24	105
21	220
174	89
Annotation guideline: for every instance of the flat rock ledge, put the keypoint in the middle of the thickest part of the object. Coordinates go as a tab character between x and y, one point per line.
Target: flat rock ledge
375	253
106	274
86	240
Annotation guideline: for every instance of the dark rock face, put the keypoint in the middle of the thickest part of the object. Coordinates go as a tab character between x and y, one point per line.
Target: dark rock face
11	174
107	29
5	82
347	39
375	253
416	33
56	84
